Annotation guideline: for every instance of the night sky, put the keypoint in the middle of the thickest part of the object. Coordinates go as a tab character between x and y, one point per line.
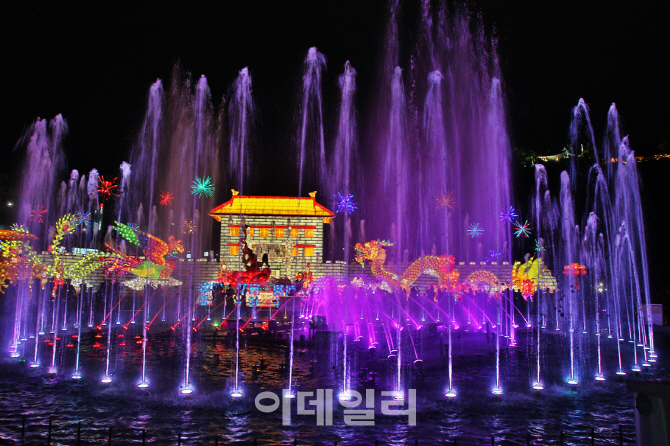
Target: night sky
95	62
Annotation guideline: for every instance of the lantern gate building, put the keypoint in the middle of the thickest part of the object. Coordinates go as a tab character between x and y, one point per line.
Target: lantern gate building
288	229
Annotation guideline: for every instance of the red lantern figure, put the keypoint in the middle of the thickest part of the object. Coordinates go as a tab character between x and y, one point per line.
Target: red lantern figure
574	270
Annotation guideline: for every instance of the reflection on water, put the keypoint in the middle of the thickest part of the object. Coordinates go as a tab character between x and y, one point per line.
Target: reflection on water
472	417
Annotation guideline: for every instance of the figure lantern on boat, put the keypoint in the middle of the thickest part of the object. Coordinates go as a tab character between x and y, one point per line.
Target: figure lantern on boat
253	272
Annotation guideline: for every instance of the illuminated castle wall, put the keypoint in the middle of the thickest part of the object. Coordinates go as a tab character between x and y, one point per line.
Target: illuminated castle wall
288	229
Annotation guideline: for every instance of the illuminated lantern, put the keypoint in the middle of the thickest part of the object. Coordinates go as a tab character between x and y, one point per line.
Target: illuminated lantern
485	281
527	289
574	270
433	265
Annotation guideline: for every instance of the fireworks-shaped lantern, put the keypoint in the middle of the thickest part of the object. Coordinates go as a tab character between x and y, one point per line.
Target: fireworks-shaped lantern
475	230
202	186
166	198
508	214
344	203
36	214
107	188
446	201
522	229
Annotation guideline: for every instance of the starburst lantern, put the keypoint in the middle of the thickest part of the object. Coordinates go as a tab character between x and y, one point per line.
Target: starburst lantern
202	186
166	198
508	215
344	203
107	188
83	218
188	227
475	230
493	256
522	229
36	214
446	201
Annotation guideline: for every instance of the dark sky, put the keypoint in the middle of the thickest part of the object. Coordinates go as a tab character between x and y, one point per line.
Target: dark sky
557	52
94	63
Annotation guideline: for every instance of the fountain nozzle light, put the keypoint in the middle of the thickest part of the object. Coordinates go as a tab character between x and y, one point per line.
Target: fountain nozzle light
76	376
538	386
106	379
187	390
34	365
497	391
573	382
600	377
450	393
344	396
143	385
236	393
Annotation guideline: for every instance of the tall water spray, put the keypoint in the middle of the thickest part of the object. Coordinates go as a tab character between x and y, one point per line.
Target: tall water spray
343	176
242	114
95	210
396	162
178	146
42	166
146	156
312	163
241	118
629	210
614	299
449	130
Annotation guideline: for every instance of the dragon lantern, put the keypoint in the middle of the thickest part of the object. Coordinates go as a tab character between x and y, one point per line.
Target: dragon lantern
440	267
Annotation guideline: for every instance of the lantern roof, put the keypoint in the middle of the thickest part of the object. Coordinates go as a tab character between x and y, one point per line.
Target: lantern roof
288	206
